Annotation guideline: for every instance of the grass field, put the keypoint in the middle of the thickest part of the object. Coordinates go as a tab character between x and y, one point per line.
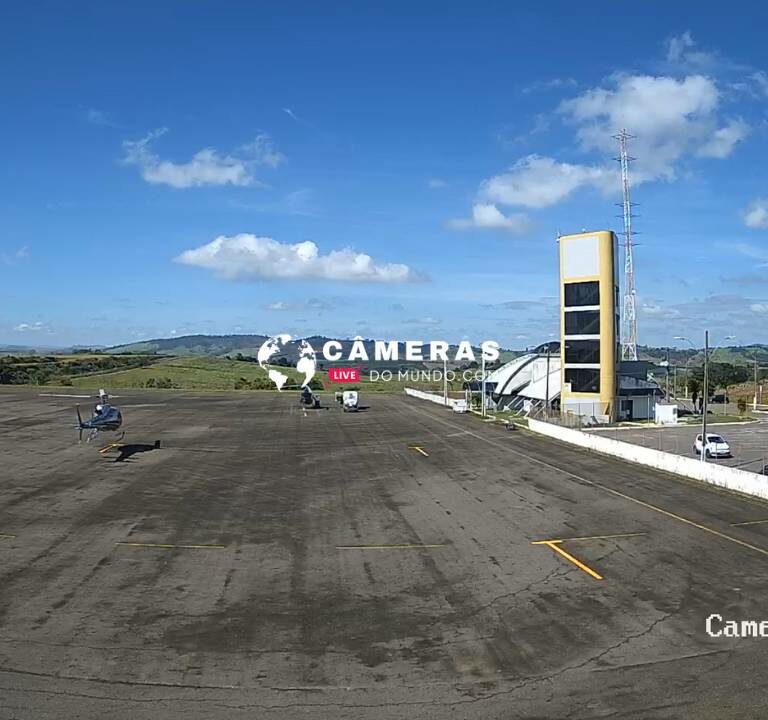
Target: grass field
222	374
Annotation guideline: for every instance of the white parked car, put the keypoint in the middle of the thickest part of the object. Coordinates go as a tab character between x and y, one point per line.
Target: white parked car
716	446
460	406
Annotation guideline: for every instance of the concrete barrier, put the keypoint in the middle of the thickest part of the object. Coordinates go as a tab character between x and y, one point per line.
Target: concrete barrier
439	399
709	472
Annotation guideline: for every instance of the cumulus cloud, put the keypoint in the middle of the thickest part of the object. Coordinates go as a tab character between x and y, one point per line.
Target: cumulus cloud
488	216
756	215
537	182
669	117
249	257
206	167
725	139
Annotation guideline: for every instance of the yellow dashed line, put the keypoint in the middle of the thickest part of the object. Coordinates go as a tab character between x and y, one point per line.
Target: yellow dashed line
164	546
749	522
417	448
387	547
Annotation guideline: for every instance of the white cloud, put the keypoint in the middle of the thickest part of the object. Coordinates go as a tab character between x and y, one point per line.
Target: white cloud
488	216
279	306
756	215
681	52
436	183
669	118
248	257
97	117
537	182
760	308
760	79
11	259
207	166
723	140
554	84
425	321
30	327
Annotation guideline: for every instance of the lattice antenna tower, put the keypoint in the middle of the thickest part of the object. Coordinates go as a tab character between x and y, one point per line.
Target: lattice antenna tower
629	305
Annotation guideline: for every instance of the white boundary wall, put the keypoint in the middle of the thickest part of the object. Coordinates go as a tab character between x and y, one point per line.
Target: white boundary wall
439	399
709	472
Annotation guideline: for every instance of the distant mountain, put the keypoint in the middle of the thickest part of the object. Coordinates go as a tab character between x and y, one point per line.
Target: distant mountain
195	345
248	345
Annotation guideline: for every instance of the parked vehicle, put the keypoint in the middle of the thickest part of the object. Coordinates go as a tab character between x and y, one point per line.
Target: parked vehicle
350	401
460	406
716	446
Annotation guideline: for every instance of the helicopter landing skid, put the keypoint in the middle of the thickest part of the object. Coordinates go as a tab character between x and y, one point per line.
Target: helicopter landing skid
115	445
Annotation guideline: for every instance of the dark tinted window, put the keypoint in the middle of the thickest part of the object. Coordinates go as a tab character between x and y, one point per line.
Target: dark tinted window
583	380
583	293
582	322
582	351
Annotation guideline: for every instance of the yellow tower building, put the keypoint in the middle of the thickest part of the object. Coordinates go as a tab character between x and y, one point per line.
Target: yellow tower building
589	324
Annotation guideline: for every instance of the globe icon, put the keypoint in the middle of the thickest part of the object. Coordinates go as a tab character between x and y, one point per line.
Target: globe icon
306	364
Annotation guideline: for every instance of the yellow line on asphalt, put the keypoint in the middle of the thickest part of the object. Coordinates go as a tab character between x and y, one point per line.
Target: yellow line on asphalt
419	449
387	547
164	546
605	488
554	545
4	536
749	522
593	537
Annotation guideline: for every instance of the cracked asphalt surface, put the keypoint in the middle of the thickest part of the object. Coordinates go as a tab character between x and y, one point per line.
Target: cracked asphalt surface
321	567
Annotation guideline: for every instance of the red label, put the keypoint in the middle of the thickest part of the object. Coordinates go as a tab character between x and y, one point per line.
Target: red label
344	375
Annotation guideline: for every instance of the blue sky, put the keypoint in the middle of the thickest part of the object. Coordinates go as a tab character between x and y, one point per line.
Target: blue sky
399	170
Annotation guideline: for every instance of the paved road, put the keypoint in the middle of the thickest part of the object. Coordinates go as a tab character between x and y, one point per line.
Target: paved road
370	565
749	441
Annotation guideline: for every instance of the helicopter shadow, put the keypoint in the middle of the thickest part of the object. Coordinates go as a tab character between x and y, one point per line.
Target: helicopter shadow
128	451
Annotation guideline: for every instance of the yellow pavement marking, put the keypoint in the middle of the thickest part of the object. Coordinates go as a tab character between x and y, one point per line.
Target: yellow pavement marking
749	522
417	448
555	545
164	546
386	547
602	487
111	446
4	536
595	537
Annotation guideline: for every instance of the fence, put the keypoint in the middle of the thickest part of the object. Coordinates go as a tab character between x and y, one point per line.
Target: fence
720	475
439	399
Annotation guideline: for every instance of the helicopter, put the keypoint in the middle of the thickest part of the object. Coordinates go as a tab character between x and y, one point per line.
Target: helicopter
105	418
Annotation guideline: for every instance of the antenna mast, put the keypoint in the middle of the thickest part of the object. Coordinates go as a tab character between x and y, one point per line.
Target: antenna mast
629	310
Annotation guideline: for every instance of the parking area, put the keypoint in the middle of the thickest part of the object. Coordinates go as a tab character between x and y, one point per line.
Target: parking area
748	441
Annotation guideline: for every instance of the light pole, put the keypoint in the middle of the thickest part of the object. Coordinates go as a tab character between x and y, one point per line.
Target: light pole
482	385
687	360
706	399
546	391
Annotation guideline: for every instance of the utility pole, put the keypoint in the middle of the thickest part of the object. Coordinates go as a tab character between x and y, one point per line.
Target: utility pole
628	316
705	399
